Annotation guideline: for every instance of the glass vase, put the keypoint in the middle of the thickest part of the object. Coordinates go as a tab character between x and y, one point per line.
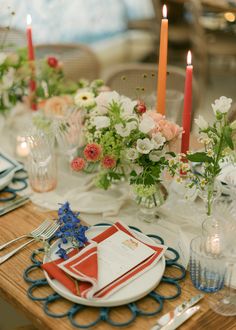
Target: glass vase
209	194
149	199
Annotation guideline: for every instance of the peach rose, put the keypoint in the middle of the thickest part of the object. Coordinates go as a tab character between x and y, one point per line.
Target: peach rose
56	106
155	116
169	130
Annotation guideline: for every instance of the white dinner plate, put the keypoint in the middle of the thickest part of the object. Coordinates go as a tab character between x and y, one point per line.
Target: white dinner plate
133	291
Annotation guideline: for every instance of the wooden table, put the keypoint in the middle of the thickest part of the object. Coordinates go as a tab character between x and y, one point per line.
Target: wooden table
13	288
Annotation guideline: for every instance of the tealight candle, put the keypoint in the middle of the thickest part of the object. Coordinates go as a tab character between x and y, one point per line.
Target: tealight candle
22	148
213	244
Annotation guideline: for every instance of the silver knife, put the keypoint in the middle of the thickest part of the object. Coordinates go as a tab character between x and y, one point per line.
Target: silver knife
172	315
175	323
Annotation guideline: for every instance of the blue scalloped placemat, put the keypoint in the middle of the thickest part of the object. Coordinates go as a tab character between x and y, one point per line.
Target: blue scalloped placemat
104	312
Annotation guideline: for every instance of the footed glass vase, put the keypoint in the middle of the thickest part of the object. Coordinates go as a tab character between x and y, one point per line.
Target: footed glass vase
149	199
209	194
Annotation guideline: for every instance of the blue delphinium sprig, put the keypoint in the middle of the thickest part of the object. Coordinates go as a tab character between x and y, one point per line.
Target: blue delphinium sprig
71	230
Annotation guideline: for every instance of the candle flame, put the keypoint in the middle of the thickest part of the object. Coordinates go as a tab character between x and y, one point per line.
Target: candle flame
164	11
29	19
189	58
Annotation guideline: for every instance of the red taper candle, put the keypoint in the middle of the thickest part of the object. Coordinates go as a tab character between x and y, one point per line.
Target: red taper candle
186	119
31	58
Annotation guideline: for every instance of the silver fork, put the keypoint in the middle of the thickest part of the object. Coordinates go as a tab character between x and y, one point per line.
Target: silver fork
48	233
34	233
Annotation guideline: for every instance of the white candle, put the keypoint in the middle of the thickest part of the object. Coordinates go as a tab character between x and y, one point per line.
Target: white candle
22	148
213	244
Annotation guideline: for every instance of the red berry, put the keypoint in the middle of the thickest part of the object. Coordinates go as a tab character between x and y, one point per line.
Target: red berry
52	62
141	107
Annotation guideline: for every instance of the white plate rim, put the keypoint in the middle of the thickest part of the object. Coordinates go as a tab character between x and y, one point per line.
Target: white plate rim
107	302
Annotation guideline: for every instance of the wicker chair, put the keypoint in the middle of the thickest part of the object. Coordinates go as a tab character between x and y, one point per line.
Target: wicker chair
140	81
12	38
79	61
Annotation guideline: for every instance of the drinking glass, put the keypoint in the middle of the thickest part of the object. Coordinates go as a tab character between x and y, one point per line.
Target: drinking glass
174	105
221	232
69	133
207	270
41	165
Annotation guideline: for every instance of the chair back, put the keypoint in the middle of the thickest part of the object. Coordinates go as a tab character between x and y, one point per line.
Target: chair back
11	38
79	61
140	81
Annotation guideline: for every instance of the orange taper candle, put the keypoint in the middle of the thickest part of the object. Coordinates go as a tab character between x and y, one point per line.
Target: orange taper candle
162	68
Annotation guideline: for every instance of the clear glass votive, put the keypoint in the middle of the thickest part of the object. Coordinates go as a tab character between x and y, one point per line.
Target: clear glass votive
174	105
41	164
207	270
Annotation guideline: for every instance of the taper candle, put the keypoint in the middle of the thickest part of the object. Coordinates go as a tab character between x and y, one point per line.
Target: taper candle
162	67
186	118
31	58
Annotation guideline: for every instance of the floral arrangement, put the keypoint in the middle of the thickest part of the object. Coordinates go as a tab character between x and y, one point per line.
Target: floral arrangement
124	139
60	114
14	79
218	145
70	231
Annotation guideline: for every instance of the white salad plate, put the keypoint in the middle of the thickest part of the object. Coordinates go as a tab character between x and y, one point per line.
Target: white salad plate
133	291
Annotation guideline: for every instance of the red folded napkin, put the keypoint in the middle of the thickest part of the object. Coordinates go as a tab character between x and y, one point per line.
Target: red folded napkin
80	273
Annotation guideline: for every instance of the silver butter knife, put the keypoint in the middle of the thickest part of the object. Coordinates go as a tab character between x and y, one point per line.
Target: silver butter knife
174	324
172	315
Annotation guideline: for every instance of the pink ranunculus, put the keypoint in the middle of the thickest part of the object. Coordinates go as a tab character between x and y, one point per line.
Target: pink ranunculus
108	162
78	164
92	152
169	130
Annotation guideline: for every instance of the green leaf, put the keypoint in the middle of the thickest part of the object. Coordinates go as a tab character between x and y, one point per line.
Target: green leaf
227	131
171	153
199	157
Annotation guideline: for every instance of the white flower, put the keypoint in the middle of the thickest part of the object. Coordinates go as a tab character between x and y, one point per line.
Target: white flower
144	146
99	111
3	57
201	122
13	59
5	99
137	168
101	122
131	154
128	107
158	140
222	105
155	155
132	125
122	130
105	98
146	124
84	99
8	78
210	153
233	125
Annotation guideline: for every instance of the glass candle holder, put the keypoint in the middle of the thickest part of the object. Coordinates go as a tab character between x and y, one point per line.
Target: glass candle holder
207	270
41	165
22	147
